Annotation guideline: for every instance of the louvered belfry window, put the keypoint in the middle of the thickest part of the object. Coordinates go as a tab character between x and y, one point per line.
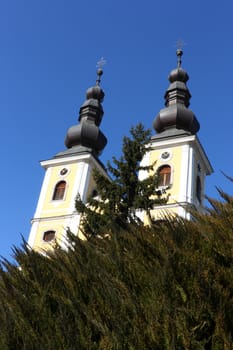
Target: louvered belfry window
48	236
59	191
164	174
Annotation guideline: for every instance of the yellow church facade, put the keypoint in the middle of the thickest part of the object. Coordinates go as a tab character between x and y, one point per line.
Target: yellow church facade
70	174
175	152
182	165
65	178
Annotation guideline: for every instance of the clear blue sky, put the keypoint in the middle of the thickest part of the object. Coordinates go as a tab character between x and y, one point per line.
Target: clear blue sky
48	54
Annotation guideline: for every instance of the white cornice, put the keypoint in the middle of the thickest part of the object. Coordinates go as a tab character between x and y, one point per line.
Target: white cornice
176	141
88	158
65	160
55	217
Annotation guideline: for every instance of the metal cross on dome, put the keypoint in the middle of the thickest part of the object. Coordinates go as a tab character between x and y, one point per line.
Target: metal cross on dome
101	63
180	43
99	66
179	50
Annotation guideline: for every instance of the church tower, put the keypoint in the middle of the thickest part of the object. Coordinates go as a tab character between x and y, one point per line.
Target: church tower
176	152
69	173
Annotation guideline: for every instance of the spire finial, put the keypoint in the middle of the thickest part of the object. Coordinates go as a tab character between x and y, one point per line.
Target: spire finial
99	72
179	51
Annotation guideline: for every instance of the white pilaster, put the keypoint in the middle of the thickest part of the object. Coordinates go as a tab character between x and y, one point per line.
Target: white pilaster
43	192
182	196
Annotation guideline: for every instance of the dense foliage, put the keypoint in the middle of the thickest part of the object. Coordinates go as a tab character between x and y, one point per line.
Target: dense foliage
128	287
119	200
164	287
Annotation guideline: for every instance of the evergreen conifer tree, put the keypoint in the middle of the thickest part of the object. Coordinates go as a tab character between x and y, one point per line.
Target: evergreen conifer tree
145	288
124	194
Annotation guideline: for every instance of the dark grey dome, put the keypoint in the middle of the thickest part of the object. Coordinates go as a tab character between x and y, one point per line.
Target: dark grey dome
176	114
178	117
178	74
96	93
87	132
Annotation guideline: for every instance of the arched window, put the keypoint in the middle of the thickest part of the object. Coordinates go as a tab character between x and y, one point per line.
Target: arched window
48	236
198	189
59	191
164	173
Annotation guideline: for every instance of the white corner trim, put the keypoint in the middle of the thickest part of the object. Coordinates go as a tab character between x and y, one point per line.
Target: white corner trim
184	169
32	234
43	192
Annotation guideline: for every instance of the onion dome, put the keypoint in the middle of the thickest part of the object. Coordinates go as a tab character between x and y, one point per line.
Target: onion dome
176	114
87	132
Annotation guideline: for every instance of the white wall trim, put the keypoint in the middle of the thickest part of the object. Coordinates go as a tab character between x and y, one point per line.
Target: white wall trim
44	188
43	192
32	235
143	174
190	175
184	166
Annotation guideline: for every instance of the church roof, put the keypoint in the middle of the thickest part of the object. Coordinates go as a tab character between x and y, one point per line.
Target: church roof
86	134
176	115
